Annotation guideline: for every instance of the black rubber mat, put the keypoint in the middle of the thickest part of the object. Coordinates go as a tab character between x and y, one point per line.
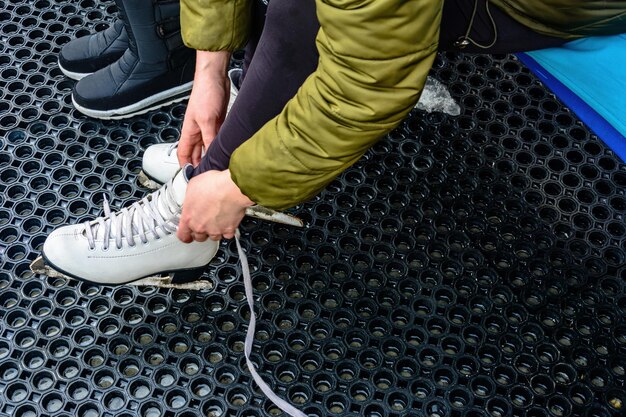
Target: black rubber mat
466	266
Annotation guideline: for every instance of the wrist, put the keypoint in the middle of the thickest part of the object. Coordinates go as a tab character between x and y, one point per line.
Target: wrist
242	199
212	63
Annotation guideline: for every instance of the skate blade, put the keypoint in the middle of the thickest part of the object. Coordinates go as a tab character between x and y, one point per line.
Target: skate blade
166	282
267	214
39	266
146	182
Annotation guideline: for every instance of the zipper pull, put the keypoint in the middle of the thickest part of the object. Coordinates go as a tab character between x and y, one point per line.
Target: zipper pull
462	42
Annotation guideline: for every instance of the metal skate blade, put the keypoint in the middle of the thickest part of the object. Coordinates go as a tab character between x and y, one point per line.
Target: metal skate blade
143	180
39	266
265	213
166	282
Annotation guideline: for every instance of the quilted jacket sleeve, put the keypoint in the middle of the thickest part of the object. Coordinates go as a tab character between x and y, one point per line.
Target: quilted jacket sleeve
374	59
215	25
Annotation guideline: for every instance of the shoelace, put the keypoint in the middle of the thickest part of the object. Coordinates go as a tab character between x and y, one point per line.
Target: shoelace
171	148
279	402
141	217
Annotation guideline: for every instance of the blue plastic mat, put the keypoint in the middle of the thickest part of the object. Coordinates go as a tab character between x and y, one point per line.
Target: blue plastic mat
589	75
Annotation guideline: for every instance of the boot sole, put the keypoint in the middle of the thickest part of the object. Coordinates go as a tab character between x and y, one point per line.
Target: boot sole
180	278
164	98
74	75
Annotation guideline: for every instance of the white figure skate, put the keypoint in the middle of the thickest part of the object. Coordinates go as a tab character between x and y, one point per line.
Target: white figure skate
138	244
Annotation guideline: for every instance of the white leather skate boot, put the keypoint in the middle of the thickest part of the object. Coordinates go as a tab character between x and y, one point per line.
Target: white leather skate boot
160	162
133	244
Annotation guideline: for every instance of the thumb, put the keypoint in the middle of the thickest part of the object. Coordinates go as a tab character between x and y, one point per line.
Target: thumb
184	232
186	146
209	131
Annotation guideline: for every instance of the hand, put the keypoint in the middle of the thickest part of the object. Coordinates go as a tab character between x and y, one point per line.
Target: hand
206	110
213	208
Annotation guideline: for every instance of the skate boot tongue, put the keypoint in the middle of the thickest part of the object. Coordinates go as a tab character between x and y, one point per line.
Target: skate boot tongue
179	183
176	189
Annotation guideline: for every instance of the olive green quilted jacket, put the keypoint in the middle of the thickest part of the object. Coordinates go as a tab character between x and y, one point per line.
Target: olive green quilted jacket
374	59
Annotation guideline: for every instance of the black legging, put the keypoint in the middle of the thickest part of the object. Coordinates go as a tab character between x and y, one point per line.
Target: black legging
281	54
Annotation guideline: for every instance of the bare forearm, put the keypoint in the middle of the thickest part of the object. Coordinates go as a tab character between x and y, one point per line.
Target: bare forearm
212	63
207	106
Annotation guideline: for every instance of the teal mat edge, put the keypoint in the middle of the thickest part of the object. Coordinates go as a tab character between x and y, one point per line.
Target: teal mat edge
598	124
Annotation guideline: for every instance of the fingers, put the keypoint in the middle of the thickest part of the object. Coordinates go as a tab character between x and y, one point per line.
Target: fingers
187	234
194	136
183	152
199	237
209	131
184	233
196	155
228	233
185	149
202	237
190	139
207	213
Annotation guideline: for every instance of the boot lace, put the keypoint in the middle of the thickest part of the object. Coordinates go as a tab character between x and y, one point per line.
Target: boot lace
143	216
247	349
172	148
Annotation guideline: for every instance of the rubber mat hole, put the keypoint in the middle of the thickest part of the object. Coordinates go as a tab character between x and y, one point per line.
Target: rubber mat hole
119	346
151	409
346	371
177	399
165	377
129	368
497	407
26	410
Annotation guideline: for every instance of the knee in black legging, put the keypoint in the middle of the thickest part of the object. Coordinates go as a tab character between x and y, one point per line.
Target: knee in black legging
284	13
290	27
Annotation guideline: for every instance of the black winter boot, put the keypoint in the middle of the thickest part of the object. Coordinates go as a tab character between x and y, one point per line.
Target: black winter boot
157	69
86	55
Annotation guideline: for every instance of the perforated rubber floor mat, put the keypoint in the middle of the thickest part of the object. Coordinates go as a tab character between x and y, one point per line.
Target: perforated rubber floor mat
466	266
